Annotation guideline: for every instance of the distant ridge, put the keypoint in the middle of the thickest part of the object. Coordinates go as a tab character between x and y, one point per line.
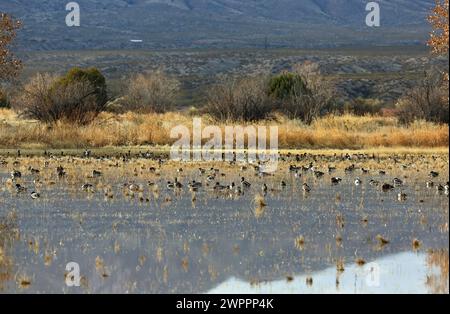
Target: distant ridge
165	24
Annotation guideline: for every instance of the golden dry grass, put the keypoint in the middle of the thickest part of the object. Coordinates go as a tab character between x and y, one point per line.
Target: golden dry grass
131	129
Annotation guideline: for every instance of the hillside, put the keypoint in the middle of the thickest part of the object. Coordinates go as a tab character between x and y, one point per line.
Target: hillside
111	24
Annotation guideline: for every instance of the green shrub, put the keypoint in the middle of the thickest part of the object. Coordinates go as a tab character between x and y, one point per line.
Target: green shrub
286	85
78	97
4	101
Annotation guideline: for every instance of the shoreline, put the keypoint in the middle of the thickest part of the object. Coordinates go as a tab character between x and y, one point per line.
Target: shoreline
165	150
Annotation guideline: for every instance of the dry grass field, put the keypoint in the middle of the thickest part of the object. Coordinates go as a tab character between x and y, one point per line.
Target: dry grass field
132	129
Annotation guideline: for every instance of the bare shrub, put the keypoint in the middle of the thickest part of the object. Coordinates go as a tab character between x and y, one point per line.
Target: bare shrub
427	101
240	100
43	98
153	92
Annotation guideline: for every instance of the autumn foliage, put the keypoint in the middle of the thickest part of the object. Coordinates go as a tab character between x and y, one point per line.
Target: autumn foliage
9	64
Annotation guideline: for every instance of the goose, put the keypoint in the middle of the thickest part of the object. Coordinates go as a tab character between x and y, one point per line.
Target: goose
358	181
293	168
232	186
211	178
264	188
283	184
201	171
364	171
382	173
331	169
245	183
306	188
170	185
374	182
335	180
430	184
34	195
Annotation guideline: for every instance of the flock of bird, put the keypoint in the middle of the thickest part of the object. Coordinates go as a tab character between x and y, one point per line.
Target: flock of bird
211	178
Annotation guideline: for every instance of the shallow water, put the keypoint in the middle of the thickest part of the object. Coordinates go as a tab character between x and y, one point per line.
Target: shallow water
222	242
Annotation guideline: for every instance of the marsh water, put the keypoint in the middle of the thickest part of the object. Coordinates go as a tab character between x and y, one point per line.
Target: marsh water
161	240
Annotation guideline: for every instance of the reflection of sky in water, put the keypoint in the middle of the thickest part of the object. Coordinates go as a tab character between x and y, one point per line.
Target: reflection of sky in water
400	273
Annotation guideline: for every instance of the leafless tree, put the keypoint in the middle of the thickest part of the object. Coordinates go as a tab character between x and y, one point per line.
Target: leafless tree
152	92
427	101
239	100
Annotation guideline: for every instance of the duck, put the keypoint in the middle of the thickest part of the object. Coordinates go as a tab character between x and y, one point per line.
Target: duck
430	184
318	174
306	188
134	187
382	173
60	171
265	188
397	182
19	188
219	187
336	180
178	184
35	195
283	184
96	174
33	170
401	197
15	174
170	185
433	174
331	169
245	183
358	181
350	168
382	240
194	184
87	187
387	187
374	182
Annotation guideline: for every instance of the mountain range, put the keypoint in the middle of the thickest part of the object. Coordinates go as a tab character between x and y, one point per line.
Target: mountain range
165	24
